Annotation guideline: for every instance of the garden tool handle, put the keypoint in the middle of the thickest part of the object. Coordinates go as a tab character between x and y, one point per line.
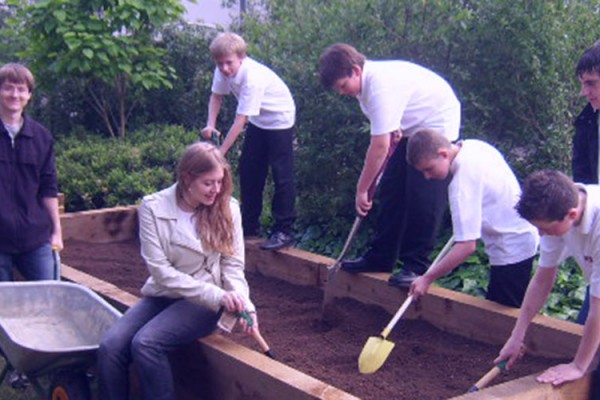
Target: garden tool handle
256	334
489	376
386	331
260	340
57	262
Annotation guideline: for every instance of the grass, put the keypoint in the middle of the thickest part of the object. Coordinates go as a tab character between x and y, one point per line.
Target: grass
29	393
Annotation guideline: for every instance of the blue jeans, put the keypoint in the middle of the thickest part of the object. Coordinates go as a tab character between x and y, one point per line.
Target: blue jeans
35	265
144	336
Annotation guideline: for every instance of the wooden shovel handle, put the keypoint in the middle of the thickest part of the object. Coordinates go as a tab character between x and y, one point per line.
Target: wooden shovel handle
261	343
488	377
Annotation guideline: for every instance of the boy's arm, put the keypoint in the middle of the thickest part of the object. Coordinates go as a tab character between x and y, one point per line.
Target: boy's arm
456	256
590	340
535	297
214	106
378	149
234	132
51	205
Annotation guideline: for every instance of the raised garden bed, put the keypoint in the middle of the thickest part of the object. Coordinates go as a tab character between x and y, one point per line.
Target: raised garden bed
427	362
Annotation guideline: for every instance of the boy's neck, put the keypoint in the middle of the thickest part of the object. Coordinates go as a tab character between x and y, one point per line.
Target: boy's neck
581	206
11	118
454	150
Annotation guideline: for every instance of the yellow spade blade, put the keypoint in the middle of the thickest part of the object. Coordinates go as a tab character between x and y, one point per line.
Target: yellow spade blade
374	354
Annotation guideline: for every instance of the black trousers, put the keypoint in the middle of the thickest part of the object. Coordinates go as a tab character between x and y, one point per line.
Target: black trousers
263	149
508	283
411	210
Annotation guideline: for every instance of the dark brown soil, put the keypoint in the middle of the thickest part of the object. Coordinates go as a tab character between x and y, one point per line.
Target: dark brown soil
425	364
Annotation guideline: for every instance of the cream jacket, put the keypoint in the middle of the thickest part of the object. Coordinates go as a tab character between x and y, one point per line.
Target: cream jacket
178	264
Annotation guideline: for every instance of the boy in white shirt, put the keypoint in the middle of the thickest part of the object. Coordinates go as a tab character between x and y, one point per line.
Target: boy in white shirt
482	194
398	97
567	216
266	105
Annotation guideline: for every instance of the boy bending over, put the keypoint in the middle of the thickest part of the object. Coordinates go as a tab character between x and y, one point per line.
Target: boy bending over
482	194
567	216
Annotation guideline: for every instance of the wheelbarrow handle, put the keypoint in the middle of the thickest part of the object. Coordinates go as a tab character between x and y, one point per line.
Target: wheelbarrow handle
57	263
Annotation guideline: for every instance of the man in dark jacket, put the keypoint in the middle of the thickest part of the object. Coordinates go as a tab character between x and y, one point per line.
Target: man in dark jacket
585	142
29	221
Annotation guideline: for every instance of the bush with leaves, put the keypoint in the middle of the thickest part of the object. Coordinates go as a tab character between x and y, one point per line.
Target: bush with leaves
96	173
511	65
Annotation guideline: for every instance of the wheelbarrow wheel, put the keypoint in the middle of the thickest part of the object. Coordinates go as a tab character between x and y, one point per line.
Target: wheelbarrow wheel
69	385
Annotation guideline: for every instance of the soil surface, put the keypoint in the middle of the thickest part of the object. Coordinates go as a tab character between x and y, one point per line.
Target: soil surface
426	363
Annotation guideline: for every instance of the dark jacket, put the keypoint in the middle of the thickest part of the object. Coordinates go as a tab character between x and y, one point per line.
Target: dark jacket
27	175
585	147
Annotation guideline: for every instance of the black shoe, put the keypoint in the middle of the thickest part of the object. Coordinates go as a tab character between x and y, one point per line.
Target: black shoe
277	240
361	264
402	278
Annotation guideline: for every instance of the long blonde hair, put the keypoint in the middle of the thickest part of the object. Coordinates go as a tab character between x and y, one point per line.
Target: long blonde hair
214	223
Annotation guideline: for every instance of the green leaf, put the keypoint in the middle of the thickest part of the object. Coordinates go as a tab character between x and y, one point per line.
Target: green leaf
89	53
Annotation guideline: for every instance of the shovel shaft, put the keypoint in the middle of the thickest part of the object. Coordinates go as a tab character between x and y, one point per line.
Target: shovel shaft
333	269
397	316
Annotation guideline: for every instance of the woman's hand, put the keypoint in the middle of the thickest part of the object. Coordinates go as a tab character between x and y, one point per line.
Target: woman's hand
249	326
233	302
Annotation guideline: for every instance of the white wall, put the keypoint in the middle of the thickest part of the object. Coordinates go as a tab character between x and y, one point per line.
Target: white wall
209	12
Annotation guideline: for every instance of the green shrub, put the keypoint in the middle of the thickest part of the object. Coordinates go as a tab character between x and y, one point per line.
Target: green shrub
97	173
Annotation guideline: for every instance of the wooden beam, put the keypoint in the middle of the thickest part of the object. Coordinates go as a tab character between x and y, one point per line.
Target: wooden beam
101	226
246	374
61	203
527	388
120	299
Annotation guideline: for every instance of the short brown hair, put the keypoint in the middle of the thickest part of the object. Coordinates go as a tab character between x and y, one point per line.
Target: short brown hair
547	195
337	61
589	61
227	43
17	73
424	144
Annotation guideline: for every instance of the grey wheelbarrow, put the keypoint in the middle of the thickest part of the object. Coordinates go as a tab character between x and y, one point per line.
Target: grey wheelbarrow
52	329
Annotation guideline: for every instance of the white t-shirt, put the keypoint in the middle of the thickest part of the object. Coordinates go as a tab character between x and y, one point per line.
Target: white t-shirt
400	94
483	193
582	242
262	96
187	223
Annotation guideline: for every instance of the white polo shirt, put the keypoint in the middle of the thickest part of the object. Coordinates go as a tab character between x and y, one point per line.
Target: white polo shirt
582	242
262	96
483	193
400	94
